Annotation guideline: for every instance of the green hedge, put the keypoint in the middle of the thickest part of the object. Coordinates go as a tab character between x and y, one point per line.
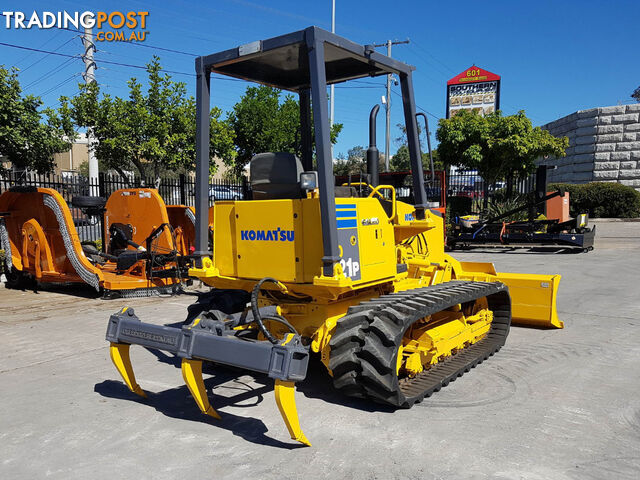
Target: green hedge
601	200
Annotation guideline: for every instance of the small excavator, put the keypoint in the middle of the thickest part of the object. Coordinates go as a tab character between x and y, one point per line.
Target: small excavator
303	267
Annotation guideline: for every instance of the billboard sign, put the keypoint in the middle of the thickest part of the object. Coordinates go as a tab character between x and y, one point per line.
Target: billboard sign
474	89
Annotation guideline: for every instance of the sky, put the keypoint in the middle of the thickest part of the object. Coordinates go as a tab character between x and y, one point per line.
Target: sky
554	57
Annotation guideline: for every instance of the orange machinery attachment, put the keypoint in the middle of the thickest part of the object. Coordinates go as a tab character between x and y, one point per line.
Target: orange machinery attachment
140	256
557	208
183	221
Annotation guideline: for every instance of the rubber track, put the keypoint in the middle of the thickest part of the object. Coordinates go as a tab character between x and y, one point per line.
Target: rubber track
365	344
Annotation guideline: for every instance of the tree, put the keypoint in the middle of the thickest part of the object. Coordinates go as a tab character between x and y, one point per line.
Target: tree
354	163
401	162
29	138
498	147
264	121
152	131
83	168
636	94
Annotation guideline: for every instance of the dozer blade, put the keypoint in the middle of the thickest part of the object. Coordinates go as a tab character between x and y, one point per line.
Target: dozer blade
533	299
287	405
192	374
210	340
120	358
533	296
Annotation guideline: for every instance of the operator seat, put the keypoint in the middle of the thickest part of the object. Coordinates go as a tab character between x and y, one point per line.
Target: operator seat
275	176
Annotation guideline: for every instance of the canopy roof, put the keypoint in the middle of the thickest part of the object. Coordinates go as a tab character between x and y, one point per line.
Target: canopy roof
283	61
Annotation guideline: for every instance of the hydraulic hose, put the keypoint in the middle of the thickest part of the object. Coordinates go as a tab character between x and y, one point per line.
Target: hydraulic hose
284	321
256	311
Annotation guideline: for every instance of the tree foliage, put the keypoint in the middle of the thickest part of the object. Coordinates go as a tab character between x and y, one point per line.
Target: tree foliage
354	163
29	137
401	162
636	94
151	131
265	121
496	146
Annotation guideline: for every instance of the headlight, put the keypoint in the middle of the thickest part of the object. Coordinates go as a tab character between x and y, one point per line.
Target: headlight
308	180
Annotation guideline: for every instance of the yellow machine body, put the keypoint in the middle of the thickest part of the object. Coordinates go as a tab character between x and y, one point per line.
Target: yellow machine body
377	237
282	237
368	286
384	249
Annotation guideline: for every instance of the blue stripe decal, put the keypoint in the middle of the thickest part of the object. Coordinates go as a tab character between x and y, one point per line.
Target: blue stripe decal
346	214
351	223
344	206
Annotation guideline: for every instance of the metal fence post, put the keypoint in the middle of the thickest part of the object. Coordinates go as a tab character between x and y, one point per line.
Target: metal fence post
183	190
101	180
245	188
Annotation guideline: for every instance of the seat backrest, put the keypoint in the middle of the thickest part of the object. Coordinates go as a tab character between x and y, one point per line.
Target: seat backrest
275	176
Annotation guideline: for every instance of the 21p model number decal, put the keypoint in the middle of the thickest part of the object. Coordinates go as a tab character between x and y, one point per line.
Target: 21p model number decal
350	267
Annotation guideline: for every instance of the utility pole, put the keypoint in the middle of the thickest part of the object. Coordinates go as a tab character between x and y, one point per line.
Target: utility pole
333	89
388	103
89	77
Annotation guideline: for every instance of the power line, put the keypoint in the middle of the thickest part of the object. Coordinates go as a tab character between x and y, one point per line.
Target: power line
142	67
53	71
21	47
67	80
49	52
453	71
148	46
431	55
56	35
42	58
418	106
120	56
163	49
387	104
430	65
365	82
357	86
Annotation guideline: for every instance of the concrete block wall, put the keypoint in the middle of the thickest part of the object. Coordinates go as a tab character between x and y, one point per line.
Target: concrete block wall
604	146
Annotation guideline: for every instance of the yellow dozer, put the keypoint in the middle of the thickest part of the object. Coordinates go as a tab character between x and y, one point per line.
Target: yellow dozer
361	279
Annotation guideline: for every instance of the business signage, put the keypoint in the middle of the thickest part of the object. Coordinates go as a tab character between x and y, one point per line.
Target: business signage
474	89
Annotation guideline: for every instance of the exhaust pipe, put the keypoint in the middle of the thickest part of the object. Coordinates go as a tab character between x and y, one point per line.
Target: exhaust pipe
373	154
426	127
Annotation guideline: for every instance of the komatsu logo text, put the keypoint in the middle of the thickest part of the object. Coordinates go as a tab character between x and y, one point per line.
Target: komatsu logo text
276	235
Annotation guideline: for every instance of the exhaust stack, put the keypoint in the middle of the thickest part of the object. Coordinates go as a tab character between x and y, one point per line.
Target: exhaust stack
373	154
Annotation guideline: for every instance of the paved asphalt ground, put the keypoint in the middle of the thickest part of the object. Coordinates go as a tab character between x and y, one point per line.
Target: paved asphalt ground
553	404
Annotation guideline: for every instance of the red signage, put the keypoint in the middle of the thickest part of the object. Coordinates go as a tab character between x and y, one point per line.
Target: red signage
473	74
474	89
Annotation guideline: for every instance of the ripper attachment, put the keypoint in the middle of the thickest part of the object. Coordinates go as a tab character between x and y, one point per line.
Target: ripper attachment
214	337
